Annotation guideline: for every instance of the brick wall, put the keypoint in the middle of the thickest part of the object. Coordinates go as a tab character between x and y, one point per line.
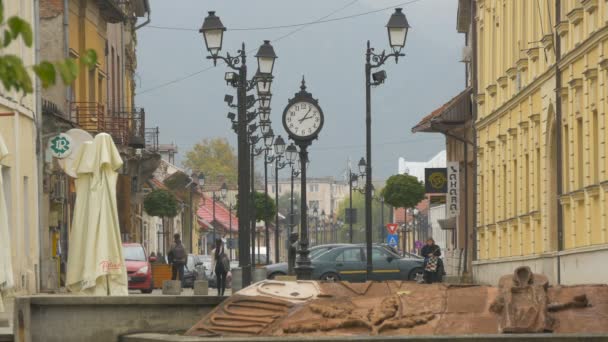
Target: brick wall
50	8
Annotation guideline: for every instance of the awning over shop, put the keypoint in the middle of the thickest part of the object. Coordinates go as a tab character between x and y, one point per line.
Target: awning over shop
453	113
447	224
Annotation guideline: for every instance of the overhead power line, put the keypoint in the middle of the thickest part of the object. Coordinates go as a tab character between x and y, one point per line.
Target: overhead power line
299	28
319	21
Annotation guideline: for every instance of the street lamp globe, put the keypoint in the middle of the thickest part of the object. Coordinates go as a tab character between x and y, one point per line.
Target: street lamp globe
279	146
201	179
224	190
263	85
264	127
291	152
362	165
268	139
265	102
264	114
397	30
315	212
213	33
323	216
373	190
266	57
354	181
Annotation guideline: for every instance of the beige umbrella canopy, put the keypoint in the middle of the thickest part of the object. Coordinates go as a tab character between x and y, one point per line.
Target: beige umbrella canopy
95	261
6	267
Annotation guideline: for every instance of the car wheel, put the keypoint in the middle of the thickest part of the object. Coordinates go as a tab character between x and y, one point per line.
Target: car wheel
414	273
148	291
274	275
330	277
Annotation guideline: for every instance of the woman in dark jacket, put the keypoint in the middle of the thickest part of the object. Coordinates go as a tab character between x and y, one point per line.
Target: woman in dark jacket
221	266
431	253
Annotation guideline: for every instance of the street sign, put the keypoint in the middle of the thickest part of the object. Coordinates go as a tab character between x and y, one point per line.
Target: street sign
392	228
392	240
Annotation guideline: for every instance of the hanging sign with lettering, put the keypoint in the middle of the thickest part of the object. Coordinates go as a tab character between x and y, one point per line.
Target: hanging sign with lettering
453	189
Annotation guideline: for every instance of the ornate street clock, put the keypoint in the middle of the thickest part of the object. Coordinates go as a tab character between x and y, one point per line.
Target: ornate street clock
303	118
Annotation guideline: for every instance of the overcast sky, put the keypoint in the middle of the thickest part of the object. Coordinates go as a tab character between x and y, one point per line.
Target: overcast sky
330	55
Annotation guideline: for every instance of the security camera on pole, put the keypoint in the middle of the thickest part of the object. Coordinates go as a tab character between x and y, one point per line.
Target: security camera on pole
303	120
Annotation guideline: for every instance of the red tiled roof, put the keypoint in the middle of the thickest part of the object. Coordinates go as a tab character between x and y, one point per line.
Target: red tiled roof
158	184
423	206
222	214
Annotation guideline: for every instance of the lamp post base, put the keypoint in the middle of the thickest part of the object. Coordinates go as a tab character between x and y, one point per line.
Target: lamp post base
304	271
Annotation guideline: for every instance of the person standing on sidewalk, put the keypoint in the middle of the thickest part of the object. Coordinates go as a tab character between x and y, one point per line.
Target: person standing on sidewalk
221	266
177	259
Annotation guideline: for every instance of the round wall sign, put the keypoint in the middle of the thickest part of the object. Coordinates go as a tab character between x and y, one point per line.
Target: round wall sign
61	145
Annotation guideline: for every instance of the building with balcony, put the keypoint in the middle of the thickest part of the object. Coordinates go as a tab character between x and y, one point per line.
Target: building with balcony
18	162
101	99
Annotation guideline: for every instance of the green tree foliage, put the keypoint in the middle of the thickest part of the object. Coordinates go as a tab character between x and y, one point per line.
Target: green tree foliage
359	227
15	76
215	158
160	203
403	191
265	210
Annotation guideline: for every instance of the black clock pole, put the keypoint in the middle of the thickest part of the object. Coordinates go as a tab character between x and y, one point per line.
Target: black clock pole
304	266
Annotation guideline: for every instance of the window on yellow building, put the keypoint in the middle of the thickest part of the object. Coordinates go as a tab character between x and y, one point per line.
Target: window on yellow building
492	208
91	82
580	153
566	159
504	191
526	185
100	88
515	191
595	132
537	188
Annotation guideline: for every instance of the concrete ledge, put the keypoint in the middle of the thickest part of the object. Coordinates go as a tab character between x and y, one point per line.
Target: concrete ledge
83	318
150	337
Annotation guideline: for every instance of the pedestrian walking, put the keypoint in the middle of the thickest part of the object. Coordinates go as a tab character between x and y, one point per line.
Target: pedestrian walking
177	258
221	266
431	253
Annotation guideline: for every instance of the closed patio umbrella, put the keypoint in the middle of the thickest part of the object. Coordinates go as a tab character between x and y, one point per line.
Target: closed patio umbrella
6	266
95	261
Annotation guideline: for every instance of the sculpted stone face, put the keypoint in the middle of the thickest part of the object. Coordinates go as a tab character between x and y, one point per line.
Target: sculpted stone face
522	303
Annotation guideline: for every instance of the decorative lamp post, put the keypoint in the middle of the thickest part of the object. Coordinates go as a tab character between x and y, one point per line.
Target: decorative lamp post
323	235
397	28
292	155
213	33
268	141
315	217
279	150
221	196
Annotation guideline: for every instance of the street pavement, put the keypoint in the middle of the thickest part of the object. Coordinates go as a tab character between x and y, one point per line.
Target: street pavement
185	292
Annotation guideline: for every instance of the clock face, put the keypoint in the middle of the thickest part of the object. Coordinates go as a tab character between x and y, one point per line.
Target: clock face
303	119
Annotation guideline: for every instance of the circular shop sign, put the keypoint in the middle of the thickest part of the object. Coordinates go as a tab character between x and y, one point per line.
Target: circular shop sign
61	145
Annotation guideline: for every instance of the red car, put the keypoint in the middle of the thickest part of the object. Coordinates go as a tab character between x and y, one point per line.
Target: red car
139	269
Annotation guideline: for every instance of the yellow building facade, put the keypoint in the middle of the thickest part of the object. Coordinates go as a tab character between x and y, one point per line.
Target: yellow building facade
542	178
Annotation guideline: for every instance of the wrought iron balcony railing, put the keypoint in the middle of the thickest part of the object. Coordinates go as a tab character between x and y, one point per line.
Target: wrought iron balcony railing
126	126
90	116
